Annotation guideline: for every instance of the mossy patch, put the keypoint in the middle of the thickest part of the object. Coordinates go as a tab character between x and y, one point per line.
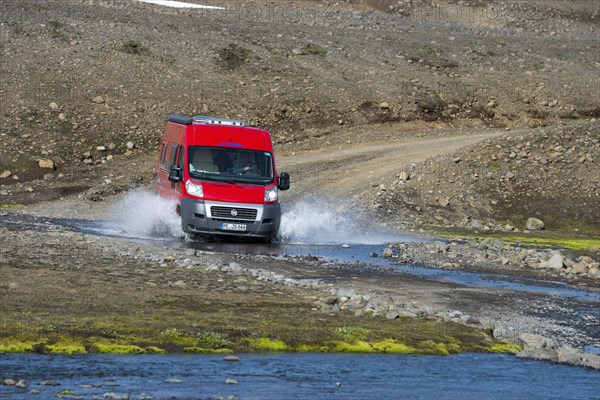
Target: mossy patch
18	346
351	334
111	348
393	347
66	348
504	347
358	346
155	350
207	351
266	344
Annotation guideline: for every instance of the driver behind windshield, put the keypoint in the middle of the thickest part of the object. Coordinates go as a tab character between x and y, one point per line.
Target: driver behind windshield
245	164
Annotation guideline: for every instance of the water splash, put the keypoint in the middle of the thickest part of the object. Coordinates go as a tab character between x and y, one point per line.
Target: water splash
142	214
329	221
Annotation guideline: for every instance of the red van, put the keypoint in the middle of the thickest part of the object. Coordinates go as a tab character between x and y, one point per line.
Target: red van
223	175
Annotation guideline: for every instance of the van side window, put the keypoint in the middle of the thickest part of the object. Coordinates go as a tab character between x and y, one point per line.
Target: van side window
180	157
173	154
163	153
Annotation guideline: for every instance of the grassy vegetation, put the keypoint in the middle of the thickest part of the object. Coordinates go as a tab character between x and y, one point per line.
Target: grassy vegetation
578	241
233	56
134	47
314	49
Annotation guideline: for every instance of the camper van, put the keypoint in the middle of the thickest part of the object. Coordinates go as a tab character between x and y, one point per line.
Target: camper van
222	173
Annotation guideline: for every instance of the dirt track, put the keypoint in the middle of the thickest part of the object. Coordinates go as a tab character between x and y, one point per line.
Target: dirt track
348	171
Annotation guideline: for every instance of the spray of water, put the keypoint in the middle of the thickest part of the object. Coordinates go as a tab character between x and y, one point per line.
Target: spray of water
141	214
327	222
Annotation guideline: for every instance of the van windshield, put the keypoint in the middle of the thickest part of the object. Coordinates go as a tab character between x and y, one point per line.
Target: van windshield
224	164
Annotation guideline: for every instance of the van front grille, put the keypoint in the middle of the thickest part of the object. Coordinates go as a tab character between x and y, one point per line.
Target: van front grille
233	213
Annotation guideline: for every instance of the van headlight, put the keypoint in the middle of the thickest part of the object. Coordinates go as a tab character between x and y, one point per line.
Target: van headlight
193	189
271	194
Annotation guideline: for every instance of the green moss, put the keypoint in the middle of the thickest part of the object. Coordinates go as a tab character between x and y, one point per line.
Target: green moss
393	346
207	351
504	347
311	348
155	350
66	392
266	344
17	346
66	348
496	164
11	205
112	348
358	346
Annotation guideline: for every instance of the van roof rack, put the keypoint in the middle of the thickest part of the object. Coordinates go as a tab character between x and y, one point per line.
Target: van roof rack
200	119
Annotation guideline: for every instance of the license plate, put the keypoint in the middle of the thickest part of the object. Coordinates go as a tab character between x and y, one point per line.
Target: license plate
233	227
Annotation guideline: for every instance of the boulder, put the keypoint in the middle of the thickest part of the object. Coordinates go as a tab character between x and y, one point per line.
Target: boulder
579	268
387	252
555	262
534	224
568	355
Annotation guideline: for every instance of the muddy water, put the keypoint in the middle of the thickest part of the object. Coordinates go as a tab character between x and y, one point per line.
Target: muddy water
297	376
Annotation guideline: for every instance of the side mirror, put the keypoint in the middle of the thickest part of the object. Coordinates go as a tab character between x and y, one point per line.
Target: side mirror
283	181
175	173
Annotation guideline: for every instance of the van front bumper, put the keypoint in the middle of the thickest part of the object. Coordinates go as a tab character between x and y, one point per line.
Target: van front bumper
220	218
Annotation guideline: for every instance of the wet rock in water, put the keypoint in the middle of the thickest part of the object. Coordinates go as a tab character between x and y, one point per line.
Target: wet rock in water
231	358
9	382
540	354
346	246
230	381
35	391
388	252
21	384
373	254
49	383
172	380
534	224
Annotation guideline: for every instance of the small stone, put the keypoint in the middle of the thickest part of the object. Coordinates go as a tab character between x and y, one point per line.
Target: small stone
384	105
169	259
130	145
387	252
62	117
392	314
231	358
53	105
297	52
444	201
534	224
101	148
579	269
6	174
172	380
230	381
404	176
9	382
179	284
98	100
46	164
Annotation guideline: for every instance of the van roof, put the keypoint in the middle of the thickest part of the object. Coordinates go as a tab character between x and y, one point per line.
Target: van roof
214	134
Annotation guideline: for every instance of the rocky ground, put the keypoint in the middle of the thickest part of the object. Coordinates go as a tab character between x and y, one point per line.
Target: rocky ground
441	117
